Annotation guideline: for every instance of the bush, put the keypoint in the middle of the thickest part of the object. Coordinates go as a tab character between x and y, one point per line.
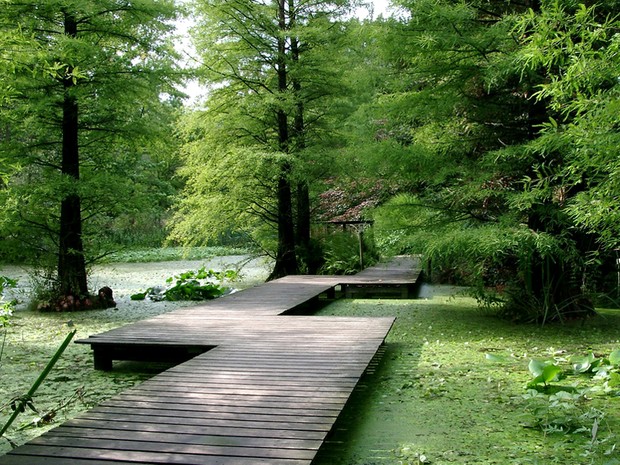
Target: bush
191	285
6	307
341	253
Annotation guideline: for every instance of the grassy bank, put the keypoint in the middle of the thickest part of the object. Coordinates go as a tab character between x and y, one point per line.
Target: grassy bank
435	395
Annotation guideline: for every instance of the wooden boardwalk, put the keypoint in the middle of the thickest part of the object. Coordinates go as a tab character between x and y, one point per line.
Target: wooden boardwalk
396	278
267	392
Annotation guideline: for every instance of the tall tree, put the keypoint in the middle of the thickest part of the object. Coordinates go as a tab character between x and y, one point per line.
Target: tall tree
71	263
272	74
14	47
76	128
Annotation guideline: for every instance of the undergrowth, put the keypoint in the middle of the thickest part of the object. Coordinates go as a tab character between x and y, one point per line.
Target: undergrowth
193	285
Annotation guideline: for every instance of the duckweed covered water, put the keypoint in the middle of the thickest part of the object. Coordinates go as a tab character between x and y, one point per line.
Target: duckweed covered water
436	398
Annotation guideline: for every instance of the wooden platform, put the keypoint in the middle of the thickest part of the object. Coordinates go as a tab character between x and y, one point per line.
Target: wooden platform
267	390
396	278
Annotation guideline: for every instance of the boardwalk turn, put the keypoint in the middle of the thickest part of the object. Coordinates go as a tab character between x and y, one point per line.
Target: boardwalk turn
268	391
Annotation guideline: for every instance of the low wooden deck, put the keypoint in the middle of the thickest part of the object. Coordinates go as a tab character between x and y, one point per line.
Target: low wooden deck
267	392
396	278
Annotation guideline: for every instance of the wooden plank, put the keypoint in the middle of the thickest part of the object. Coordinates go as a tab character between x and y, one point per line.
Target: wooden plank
163	420
41	453
14	459
397	278
268	417
291	381
196	449
208	430
206	407
248	400
234	400
186	438
266	388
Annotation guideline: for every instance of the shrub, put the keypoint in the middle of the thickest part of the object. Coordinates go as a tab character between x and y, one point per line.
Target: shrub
191	285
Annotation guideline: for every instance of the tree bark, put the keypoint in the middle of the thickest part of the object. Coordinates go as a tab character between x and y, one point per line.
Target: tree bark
71	263
553	285
299	132
286	258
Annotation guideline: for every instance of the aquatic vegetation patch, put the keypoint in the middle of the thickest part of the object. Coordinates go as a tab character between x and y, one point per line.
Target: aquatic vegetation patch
196	285
452	388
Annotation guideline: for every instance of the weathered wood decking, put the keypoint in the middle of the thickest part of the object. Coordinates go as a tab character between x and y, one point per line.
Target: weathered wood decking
268	391
396	278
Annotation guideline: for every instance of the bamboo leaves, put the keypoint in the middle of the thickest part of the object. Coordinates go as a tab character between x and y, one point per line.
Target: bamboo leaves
19	404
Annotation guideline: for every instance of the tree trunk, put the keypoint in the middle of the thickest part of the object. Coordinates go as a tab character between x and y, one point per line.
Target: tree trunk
303	228
305	252
286	259
552	285
71	264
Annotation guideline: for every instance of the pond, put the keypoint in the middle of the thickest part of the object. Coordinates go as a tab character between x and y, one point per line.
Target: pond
126	279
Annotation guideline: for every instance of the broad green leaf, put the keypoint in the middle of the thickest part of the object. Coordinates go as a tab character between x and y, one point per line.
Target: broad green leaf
581	364
551	373
614	380
614	357
536	367
138	296
544	372
536	382
563	395
496	358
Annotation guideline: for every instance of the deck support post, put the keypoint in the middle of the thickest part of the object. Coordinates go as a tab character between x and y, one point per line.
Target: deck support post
102	359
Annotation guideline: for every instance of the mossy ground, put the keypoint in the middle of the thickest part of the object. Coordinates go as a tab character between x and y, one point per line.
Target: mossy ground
433	393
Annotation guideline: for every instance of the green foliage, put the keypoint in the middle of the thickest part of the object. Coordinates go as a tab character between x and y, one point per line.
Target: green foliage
341	254
187	285
564	413
498	123
230	193
253	154
570	408
564	408
191	285
586	364
544	372
580	58
121	71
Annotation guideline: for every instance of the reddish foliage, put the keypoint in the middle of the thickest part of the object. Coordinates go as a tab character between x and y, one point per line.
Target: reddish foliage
348	200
